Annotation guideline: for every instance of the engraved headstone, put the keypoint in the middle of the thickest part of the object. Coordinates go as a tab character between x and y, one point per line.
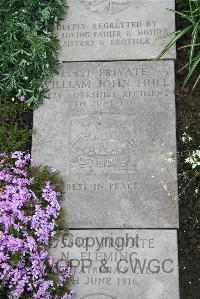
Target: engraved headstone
115	29
116	264
109	127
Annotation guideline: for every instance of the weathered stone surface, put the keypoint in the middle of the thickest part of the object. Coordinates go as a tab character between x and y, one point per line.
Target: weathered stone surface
139	264
116	29
109	127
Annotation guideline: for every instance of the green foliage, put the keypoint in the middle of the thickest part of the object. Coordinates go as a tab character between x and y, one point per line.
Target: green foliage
12	138
15	133
191	18
28	48
182	5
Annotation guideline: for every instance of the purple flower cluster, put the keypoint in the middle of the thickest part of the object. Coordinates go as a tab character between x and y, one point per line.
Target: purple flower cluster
27	222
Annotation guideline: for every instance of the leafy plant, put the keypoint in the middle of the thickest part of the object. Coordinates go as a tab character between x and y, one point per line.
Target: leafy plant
28	47
12	137
15	128
191	17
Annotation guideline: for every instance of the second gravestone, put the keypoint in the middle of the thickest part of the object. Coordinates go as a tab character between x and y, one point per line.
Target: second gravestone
116	29
109	127
121	264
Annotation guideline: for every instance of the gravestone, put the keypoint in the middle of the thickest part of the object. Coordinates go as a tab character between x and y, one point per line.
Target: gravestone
109	127
121	264
115	29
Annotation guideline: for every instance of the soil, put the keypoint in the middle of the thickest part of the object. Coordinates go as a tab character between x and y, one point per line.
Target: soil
189	207
188	119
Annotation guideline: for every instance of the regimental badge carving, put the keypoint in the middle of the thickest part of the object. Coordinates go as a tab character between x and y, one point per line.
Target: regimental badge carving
101	144
98	296
106	7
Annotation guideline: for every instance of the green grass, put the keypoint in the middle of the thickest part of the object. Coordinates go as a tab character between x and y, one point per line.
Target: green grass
190	14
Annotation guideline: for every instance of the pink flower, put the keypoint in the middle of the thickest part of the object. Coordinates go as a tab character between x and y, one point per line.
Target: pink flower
27	221
22	98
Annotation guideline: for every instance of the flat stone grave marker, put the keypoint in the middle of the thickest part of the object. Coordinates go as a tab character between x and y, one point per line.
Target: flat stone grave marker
115	264
109	127
116	29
